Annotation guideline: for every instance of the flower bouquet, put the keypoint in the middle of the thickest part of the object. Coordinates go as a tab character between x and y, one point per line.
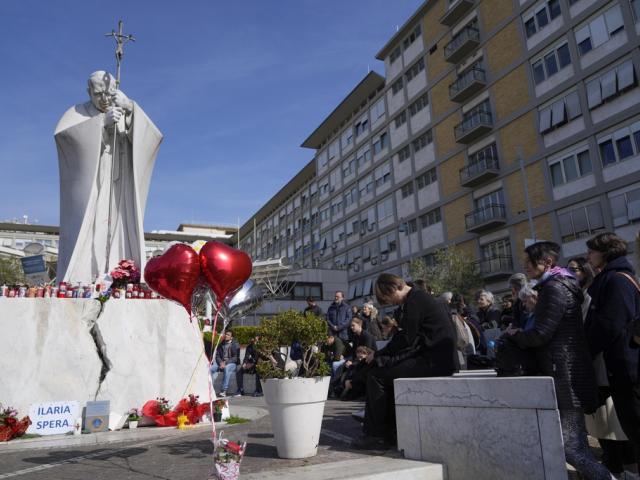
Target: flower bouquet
160	411
125	272
191	408
227	458
10	426
133	417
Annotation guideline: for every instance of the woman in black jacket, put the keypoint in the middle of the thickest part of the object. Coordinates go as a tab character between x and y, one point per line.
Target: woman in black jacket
559	344
615	306
424	346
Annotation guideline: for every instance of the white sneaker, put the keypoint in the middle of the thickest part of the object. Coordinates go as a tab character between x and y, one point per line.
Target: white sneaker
223	394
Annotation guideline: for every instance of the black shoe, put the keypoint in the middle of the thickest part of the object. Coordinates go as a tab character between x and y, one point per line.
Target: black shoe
367	442
239	393
258	394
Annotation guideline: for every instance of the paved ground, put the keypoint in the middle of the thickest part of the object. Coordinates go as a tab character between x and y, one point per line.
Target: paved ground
180	455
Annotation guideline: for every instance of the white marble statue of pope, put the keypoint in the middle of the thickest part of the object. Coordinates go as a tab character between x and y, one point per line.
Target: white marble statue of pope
102	195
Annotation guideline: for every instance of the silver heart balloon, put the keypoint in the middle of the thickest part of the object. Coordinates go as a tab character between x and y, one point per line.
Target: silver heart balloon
243	301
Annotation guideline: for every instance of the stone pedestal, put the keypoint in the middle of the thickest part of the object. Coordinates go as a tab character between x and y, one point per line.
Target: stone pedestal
134	351
482	428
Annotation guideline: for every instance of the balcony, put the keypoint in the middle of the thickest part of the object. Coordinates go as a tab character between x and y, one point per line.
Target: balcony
467	85
496	267
474	125
479	171
462	44
485	217
455	11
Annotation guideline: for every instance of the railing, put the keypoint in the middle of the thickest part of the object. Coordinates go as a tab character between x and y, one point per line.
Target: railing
463	36
470	76
480	216
488	162
472	121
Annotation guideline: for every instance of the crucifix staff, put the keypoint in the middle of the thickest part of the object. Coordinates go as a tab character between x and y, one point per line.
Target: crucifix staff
120	39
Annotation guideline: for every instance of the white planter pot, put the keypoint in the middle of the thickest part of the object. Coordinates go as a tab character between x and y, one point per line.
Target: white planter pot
133	424
296	407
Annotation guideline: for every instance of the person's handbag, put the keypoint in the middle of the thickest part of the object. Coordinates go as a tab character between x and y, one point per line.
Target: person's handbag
513	361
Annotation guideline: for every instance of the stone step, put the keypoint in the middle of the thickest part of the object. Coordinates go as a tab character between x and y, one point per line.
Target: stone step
370	468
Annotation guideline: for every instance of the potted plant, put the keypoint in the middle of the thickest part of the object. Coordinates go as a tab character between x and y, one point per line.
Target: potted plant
133	418
295	393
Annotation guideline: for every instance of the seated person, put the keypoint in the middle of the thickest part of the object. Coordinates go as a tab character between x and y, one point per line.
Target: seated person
361	338
333	350
226	360
249	366
355	379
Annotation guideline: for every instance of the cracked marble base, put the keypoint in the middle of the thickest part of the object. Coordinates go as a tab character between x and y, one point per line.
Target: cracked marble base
482	428
48	353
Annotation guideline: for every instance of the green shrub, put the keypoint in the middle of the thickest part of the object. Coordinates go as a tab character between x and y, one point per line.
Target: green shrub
242	334
283	330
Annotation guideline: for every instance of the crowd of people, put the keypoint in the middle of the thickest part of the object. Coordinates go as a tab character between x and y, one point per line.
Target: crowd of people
577	322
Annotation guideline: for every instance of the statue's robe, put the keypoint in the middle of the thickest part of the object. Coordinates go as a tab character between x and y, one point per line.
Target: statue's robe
87	181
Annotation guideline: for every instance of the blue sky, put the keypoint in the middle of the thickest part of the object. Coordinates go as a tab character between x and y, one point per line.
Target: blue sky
234	86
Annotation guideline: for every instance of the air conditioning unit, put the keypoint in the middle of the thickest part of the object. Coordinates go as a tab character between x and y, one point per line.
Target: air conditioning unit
384	257
374	260
334	246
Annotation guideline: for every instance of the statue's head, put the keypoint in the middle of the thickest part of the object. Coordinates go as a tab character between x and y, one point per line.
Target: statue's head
101	87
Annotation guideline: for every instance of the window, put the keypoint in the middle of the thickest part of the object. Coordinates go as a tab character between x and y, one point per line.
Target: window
599	30
624	143
412	37
570	167
303	290
324	187
412	226
382	174
404	154
336	207
362	126
347	137
551	63
365	185
419	104
385	209
381	143
363	157
486	157
400	119
396	86
351	196
625	207
349	167
422	141
635	7
388	243
611	84
323	159
541	17
581	222
559	112
333	149
415	69
430	218
407	189
378	110
324	214
395	54
426	178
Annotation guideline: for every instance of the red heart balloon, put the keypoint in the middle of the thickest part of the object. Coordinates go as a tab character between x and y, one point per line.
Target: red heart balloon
224	268
174	274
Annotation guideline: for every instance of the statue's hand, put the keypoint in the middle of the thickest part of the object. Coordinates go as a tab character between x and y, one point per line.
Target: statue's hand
113	115
122	101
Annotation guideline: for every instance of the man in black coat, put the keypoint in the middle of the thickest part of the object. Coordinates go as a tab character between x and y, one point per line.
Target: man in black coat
249	366
312	307
424	346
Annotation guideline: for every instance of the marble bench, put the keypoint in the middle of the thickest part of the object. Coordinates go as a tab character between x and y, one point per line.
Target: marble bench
482	427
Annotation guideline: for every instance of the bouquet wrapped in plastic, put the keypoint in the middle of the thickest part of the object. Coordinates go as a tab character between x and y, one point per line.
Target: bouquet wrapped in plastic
227	458
10	426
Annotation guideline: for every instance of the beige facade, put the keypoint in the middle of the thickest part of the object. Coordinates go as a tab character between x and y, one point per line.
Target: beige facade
490	113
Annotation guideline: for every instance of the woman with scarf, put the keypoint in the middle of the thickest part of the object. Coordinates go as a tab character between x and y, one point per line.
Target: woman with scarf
558	342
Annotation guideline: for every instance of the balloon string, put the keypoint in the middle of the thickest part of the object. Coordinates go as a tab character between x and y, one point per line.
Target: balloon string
212	391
